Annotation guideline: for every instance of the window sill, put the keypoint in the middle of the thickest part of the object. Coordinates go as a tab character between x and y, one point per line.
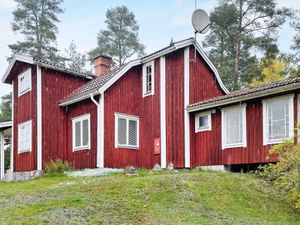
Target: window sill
24	151
24	92
81	149
127	147
148	94
241	145
273	142
203	129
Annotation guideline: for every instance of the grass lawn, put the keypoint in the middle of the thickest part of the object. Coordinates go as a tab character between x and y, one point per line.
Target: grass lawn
178	198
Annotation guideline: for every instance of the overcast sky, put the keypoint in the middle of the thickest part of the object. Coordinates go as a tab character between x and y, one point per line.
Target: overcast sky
159	21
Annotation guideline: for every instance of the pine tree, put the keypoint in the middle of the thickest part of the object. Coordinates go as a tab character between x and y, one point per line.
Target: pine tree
120	39
36	21
75	59
240	29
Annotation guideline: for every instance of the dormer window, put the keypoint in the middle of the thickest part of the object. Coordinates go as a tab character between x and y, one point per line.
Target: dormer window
148	79
24	82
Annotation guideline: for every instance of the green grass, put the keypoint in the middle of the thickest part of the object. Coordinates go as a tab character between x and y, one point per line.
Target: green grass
177	198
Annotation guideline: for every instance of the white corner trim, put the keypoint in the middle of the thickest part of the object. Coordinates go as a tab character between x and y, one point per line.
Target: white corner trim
2	167
244	131
163	131
197	116
12	152
290	98
39	119
100	127
187	156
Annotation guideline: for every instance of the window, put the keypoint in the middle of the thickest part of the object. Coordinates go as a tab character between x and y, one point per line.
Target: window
126	131
24	82
24	137
148	79
278	119
203	121
81	132
234	127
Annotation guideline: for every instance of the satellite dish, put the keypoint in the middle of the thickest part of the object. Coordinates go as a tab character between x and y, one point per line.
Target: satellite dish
200	21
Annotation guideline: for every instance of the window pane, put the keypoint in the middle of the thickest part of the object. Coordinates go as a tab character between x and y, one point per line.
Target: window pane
133	132
234	126
78	134
122	138
203	121
278	119
85	132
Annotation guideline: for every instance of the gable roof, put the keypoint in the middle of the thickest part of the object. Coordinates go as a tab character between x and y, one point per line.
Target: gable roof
244	94
99	85
45	64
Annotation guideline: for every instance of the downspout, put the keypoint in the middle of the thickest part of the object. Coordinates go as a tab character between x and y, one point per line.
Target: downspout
100	151
93	100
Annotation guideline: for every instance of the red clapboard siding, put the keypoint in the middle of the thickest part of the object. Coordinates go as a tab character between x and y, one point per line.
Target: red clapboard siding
125	96
203	82
208	149
203	85
83	158
55	86
175	108
24	109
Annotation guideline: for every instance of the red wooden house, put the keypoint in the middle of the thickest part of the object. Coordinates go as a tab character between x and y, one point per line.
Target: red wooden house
169	106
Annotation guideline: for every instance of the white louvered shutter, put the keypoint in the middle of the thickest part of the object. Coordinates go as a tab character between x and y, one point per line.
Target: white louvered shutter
77	134
122	130
132	133
85	132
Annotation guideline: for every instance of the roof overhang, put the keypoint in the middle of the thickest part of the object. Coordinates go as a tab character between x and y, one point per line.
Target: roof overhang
12	62
243	98
172	48
5	125
30	60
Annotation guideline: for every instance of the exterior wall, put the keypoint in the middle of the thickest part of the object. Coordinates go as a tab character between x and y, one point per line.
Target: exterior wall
55	86
207	149
175	108
125	96
82	158
24	110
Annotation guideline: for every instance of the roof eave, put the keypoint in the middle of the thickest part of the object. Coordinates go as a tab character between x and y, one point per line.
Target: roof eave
45	65
20	58
176	46
278	90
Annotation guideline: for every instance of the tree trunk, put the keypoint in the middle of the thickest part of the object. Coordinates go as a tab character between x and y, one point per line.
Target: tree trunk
238	43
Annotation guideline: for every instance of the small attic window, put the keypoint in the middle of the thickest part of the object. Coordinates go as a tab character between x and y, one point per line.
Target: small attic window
24	82
148	79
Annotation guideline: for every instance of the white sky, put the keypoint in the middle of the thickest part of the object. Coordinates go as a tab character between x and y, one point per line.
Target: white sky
159	21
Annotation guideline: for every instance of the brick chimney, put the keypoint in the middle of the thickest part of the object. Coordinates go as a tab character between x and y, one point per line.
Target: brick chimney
102	64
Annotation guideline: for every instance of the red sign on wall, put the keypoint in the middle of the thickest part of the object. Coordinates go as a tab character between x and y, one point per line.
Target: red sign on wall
157	146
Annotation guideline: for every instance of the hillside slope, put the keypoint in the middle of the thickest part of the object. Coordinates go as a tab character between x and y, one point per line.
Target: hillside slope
180	198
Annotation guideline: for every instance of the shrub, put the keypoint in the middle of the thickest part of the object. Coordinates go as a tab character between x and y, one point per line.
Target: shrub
57	167
285	175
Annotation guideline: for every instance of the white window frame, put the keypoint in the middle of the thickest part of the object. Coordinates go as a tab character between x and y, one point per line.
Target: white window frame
290	99
29	122
202	114
244	128
127	117
25	74
145	93
80	119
